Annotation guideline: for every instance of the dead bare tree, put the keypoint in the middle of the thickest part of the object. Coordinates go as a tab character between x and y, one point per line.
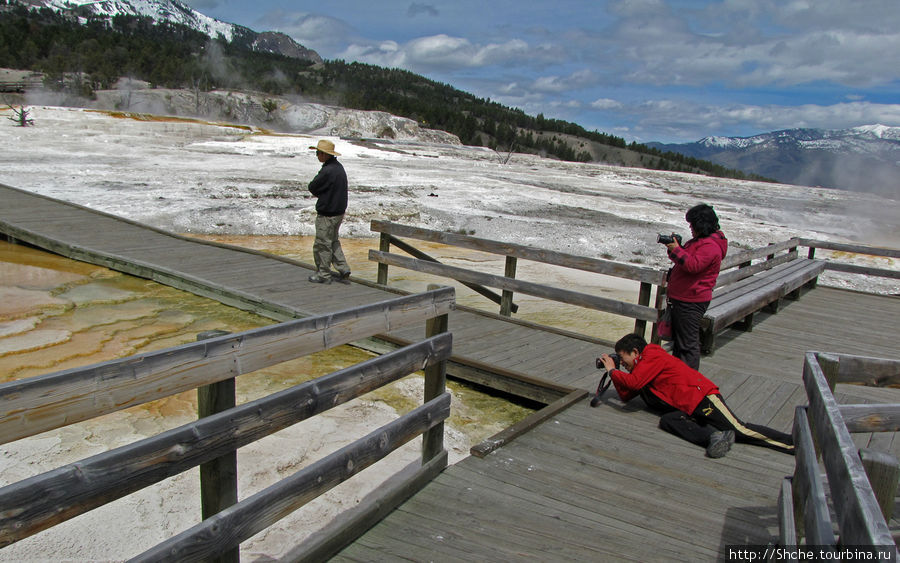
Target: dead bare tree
504	159
21	118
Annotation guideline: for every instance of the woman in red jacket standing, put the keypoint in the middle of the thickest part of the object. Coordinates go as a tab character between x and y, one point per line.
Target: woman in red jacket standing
692	278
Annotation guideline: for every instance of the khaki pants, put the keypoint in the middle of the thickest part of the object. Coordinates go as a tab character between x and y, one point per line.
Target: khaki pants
327	248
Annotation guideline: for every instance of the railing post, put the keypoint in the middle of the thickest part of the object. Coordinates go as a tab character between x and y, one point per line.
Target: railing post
218	478
384	245
506	298
640	326
435	385
659	304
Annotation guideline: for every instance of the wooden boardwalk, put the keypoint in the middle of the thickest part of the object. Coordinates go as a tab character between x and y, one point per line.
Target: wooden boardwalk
588	484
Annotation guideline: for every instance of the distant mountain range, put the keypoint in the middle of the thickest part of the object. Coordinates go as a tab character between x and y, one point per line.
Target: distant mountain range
173	11
865	158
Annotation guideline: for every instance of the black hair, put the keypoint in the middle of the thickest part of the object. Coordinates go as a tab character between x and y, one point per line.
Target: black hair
703	219
631	342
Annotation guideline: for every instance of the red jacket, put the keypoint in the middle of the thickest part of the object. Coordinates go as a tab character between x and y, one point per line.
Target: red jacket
667	377
696	268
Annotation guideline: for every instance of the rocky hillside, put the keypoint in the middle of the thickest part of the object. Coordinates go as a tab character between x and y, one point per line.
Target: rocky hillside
174	12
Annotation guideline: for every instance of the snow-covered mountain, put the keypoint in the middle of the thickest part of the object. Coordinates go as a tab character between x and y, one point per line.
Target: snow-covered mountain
865	158
173	11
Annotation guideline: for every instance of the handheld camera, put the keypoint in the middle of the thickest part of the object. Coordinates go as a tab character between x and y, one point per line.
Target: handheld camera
605	381
668	239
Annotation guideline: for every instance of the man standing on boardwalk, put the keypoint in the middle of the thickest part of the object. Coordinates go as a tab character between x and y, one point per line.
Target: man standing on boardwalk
330	187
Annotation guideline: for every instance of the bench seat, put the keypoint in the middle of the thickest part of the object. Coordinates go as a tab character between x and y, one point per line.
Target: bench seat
738	301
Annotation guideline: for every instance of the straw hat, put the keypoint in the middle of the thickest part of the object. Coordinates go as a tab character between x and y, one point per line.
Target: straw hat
326	147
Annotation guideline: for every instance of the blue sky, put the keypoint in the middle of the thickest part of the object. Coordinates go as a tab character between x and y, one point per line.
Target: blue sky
645	70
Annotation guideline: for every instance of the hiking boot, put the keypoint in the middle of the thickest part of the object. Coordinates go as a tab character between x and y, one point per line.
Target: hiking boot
719	443
316	278
341	277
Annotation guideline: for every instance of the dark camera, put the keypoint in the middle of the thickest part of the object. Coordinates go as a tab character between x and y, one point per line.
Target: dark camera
615	358
668	239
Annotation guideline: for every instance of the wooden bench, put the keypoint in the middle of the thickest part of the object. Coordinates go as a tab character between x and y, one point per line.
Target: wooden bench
743	288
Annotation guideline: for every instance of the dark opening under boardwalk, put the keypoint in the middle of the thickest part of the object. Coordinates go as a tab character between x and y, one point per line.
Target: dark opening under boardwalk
587	484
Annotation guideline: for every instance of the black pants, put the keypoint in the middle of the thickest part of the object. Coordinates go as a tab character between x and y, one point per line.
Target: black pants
686	330
713	414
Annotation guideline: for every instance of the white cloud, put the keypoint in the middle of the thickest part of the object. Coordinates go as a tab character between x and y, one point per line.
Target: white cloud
556	84
439	51
607	104
315	31
759	43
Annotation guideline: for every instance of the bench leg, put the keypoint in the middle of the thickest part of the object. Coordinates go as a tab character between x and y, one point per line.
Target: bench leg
774	306
746	324
812	283
794	295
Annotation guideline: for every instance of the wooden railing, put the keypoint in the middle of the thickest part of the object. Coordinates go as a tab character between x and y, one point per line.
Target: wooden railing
18	86
862	483
854	249
642	311
34	405
735	267
740	265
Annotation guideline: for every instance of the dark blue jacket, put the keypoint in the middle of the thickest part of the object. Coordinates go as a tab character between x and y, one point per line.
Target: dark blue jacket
330	186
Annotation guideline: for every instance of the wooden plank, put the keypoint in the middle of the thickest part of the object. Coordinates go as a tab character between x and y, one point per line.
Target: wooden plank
327	542
606	267
537	522
496	348
738	274
37	404
809	494
871	418
600	439
82	486
877	372
594	489
529	422
519	286
852	248
787	527
739	258
862	270
883	471
479	289
257	512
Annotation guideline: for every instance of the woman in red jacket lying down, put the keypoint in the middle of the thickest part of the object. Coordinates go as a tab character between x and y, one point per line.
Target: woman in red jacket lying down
694	408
